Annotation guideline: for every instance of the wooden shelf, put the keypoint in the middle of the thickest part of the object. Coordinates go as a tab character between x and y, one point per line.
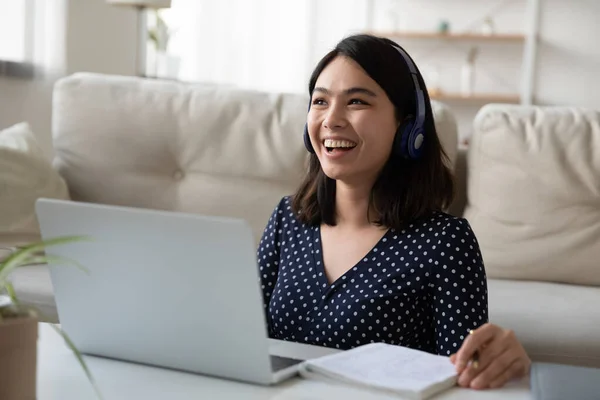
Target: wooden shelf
501	37
477	98
141	3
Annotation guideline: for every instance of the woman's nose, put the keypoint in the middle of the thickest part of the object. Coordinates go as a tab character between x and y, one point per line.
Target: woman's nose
335	118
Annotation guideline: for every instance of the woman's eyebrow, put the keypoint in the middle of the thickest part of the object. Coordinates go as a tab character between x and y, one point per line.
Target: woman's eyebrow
349	91
360	90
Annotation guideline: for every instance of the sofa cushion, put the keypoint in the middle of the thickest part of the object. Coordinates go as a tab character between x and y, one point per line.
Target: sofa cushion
197	148
25	176
534	192
555	322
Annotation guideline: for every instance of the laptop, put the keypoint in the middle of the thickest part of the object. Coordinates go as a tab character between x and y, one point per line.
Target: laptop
162	288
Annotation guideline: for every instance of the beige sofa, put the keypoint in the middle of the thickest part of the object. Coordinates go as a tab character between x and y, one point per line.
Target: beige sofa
221	151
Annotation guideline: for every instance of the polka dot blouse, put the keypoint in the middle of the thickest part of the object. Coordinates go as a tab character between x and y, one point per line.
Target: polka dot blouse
423	287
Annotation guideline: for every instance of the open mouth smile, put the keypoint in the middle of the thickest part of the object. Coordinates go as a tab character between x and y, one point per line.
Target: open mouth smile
333	146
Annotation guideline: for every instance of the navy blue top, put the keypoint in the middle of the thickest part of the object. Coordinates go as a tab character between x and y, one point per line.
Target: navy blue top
423	287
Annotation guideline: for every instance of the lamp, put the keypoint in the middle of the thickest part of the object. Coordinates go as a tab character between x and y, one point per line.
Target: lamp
141	6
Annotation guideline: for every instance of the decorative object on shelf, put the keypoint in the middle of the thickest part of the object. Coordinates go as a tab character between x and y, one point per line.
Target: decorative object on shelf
444	26
468	73
487	27
141	6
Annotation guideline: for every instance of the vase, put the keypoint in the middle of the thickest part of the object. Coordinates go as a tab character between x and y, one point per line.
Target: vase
487	28
467	81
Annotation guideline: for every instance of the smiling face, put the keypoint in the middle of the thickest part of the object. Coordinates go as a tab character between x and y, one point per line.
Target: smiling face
351	123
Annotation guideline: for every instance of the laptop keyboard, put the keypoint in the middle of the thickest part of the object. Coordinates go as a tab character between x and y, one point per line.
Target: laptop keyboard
279	363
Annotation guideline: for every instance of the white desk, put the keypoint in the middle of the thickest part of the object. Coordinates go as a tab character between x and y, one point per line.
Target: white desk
60	377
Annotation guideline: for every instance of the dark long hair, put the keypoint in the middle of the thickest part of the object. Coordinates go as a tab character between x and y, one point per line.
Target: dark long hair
406	190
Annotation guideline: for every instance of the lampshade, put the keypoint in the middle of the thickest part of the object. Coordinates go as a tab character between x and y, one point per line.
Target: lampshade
142	3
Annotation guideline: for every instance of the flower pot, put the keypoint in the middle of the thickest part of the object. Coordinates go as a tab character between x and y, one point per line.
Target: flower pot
18	358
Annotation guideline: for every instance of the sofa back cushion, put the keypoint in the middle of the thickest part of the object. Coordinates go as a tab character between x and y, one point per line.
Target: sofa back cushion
199	148
534	192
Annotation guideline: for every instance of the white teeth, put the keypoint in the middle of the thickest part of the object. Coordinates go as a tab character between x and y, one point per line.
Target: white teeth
338	143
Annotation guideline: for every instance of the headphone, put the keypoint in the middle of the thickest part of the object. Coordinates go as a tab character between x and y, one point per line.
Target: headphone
409	138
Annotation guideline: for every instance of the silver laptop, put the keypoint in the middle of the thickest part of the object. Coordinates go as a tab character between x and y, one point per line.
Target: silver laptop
167	289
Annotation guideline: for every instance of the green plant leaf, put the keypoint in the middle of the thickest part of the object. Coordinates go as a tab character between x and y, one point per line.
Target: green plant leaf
21	256
56	260
10	289
82	362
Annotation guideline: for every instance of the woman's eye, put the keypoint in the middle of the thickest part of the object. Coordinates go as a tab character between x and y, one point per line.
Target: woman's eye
357	101
318	102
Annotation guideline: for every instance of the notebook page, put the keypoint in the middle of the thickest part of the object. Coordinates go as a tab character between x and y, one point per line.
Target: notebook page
387	366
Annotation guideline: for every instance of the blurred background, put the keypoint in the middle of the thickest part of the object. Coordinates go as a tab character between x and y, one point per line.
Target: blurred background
471	52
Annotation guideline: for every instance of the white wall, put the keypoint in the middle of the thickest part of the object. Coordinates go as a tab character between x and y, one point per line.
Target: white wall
568	66
98	38
101	38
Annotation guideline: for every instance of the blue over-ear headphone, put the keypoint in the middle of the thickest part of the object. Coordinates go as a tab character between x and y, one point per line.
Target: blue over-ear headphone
410	136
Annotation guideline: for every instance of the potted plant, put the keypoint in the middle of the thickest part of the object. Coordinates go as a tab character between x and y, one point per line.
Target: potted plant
19	324
166	65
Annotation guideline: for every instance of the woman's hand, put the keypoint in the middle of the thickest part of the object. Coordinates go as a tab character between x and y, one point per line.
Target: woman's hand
500	358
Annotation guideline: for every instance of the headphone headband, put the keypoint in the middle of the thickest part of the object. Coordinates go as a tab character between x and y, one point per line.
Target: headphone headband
412	136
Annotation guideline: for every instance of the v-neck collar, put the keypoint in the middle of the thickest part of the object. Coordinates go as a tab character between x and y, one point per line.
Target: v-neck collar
317	255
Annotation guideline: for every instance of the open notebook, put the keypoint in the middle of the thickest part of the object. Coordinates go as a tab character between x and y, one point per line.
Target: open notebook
411	373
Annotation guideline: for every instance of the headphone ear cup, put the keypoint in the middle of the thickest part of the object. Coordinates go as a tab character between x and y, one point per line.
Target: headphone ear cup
307	142
415	144
402	138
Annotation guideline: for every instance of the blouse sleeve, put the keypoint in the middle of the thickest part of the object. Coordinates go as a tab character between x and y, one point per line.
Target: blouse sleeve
268	253
460	298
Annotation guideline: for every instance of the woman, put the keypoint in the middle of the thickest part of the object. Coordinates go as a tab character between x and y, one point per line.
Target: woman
363	252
